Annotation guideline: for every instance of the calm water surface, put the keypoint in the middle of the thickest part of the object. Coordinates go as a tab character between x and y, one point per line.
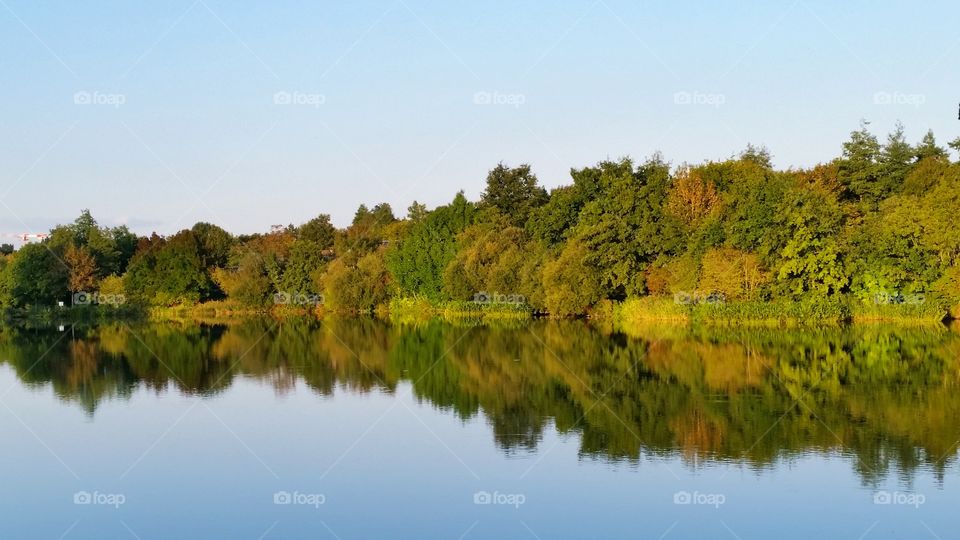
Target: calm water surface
360	429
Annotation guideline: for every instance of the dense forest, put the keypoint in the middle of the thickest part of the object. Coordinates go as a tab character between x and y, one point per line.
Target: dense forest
876	225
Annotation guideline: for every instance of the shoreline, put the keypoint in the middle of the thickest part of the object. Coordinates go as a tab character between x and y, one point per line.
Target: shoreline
629	313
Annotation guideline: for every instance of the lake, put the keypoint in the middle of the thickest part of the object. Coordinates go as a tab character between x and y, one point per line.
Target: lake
358	428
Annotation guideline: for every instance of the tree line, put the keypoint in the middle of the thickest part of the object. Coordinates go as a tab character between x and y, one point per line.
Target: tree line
876	224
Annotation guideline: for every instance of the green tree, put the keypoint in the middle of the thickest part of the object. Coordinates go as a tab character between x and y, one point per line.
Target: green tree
37	277
302	267
812	259
318	230
758	155
214	244
357	288
418	260
896	161
493	257
928	148
513	192
169	271
245	278
955	145
859	167
571	285
625	227
416	212
366	233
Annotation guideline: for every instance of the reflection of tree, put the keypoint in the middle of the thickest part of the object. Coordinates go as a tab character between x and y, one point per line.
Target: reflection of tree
887	396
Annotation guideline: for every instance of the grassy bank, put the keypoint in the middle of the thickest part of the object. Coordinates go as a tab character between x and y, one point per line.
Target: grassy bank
632	312
831	312
419	309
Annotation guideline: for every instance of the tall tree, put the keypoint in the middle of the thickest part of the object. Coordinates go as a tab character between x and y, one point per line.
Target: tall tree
418	260
318	230
896	161
859	168
83	269
928	148
513	192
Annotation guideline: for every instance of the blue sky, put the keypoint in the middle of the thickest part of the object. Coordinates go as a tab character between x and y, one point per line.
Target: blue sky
247	114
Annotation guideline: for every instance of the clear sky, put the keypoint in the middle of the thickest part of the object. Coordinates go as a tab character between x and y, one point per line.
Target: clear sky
247	114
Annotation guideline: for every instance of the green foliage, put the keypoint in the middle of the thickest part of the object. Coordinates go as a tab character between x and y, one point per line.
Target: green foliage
625	228
214	244
878	220
929	149
570	284
492	257
169	271
859	167
302	266
418	260
318	230
360	288
366	233
513	192
35	276
812	258
895	162
245	280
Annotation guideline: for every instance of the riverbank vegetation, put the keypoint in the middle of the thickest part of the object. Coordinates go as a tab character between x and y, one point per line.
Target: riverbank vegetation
869	235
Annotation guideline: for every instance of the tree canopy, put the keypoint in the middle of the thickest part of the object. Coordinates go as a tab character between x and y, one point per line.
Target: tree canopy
878	219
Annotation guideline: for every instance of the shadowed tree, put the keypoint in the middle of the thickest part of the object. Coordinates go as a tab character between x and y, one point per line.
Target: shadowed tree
513	192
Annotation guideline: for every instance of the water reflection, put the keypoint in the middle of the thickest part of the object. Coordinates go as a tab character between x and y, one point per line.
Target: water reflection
886	396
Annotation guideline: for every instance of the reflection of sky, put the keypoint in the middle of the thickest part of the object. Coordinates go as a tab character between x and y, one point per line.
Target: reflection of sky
389	467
